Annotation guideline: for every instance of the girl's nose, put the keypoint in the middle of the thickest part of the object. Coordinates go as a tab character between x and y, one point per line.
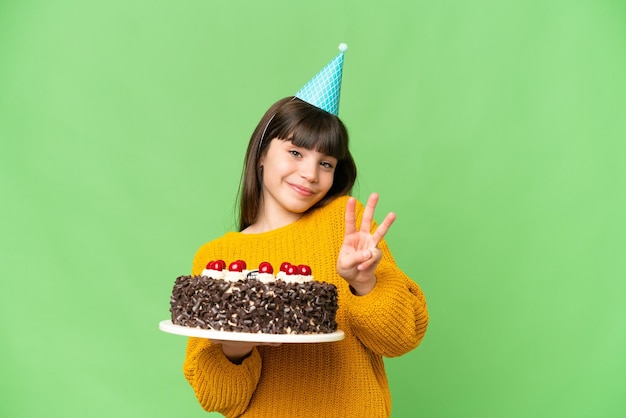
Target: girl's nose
308	171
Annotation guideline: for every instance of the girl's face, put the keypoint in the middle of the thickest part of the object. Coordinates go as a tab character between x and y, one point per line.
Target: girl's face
294	179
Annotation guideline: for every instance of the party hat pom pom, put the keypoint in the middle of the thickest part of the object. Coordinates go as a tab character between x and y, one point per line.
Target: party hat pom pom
343	47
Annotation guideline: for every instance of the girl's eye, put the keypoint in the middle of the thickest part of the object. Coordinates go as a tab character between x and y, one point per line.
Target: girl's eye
326	164
295	153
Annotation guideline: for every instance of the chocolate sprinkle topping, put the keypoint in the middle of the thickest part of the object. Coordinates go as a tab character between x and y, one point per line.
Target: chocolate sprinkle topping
253	306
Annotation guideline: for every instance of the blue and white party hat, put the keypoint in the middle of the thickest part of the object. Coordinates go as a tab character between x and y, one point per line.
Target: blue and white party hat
323	90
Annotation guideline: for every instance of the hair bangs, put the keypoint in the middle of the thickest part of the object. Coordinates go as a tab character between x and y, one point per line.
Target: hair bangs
324	134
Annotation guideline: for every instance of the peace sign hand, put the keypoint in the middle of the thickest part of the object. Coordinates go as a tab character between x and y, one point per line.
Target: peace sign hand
359	254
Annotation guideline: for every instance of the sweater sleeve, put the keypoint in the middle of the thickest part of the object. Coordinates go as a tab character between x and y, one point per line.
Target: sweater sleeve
218	384
392	319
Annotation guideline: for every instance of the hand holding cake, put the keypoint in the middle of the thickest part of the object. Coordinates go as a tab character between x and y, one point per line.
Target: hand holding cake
238	351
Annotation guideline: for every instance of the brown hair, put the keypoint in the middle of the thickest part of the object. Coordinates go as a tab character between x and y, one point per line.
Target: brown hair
306	126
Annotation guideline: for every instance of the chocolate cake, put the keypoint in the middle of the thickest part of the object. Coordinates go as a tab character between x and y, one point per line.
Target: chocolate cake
255	301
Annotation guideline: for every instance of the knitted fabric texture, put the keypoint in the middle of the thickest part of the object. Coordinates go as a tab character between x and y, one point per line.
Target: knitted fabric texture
338	379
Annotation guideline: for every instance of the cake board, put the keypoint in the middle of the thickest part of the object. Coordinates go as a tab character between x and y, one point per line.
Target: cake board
169	327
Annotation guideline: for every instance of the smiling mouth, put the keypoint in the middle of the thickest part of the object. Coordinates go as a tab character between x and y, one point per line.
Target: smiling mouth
304	191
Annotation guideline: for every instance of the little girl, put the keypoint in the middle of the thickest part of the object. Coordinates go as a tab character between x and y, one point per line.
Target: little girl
294	205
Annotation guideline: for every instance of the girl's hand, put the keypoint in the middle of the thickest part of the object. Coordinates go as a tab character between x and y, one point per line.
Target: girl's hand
359	254
237	351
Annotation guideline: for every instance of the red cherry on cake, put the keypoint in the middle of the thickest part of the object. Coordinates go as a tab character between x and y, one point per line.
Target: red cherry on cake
236	266
304	270
209	265
216	265
291	270
266	267
243	264
284	266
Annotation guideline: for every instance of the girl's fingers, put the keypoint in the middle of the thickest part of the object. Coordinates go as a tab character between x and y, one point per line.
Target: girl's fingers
372	260
353	260
368	213
368	219
383	227
350	216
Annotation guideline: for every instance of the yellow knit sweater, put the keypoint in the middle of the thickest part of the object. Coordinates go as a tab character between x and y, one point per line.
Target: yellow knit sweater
338	379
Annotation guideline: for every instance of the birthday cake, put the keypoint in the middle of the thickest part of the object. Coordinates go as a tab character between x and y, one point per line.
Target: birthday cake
255	301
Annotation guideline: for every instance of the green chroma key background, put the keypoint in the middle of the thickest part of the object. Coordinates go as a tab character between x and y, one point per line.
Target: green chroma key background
495	130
